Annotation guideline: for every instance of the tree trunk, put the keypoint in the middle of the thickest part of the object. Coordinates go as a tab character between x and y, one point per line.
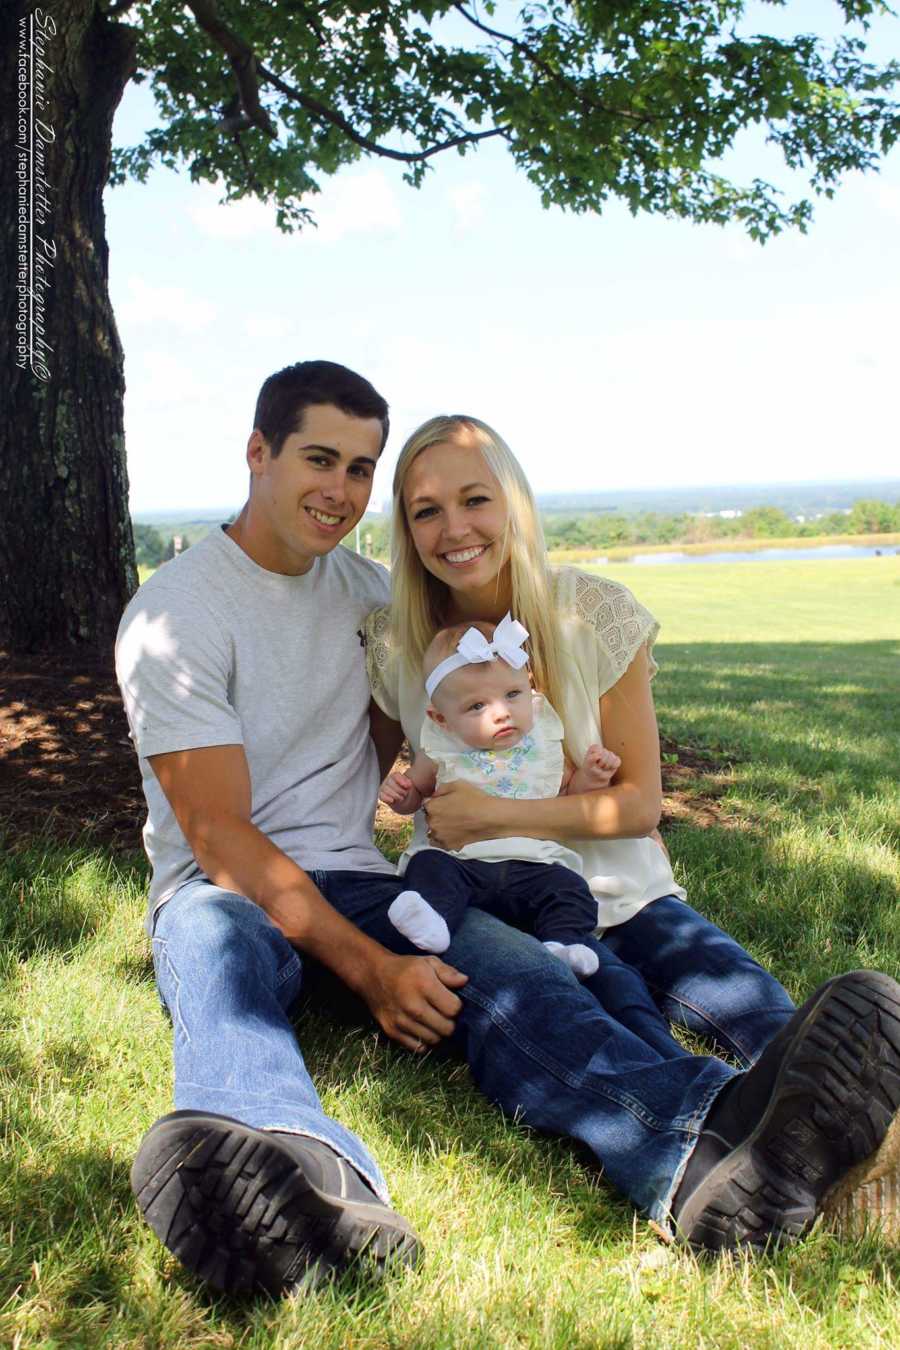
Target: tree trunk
66	550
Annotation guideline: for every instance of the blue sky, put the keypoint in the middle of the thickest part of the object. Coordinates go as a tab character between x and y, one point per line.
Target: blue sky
610	351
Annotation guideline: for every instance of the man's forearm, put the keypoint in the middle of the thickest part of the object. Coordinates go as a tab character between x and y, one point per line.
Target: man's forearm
236	855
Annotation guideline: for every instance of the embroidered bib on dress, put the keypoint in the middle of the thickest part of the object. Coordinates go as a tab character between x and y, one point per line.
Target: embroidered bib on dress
533	768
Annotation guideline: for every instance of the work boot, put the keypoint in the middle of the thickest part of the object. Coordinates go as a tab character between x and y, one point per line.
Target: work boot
818	1105
249	1210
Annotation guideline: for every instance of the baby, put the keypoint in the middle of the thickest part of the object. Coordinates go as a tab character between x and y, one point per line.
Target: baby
485	725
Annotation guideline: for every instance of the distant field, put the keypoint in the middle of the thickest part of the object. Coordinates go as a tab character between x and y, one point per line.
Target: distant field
788	673
836	600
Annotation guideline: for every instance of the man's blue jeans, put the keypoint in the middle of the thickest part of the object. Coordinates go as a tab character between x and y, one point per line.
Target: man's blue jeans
543	1046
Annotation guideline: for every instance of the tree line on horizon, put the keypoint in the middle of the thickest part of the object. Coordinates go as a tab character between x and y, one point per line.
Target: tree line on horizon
600	530
596	530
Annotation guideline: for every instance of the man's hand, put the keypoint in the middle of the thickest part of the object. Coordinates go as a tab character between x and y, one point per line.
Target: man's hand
459	814
411	999
399	792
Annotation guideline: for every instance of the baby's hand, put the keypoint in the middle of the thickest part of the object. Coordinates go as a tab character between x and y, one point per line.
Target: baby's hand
400	793
597	771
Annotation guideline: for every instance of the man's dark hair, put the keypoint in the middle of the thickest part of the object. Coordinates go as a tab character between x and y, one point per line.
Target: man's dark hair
287	394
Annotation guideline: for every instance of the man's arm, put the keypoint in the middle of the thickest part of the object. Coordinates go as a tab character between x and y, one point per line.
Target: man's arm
209	791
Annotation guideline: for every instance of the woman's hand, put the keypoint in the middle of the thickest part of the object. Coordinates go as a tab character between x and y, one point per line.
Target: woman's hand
459	814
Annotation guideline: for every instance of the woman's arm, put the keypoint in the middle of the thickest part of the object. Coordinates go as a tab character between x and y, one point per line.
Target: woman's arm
459	814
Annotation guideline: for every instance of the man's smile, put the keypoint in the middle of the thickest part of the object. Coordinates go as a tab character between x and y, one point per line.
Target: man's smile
322	516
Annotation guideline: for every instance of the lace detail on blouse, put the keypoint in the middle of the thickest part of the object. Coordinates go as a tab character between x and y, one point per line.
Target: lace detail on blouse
378	657
621	623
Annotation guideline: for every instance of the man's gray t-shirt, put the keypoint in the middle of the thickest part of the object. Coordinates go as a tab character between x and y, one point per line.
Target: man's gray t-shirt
215	650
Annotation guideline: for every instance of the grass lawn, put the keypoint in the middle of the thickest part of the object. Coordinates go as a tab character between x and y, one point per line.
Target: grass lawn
790	671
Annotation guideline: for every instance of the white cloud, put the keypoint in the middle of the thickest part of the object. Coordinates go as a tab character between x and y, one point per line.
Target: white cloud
167	304
271	327
359	205
229	220
467	206
362	203
884	196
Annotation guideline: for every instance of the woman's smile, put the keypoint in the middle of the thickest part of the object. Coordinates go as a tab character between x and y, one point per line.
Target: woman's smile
458	557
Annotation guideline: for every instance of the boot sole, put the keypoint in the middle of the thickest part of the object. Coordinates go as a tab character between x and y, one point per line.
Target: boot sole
834	1098
231	1203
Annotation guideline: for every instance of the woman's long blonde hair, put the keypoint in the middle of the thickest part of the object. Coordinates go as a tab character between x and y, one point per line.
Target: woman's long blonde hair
419	601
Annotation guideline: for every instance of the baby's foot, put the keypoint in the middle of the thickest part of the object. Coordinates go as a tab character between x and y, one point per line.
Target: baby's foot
418	921
579	958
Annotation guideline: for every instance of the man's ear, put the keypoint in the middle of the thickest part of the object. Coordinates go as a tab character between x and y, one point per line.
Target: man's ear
435	715
258	451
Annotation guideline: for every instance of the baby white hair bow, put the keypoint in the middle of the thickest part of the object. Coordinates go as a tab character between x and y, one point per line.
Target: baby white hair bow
473	648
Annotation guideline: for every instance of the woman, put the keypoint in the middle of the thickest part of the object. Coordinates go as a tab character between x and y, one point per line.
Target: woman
468	545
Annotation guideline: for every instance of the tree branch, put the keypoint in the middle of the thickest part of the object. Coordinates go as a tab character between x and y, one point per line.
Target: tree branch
243	62
116	11
248	70
248	167
548	70
336	119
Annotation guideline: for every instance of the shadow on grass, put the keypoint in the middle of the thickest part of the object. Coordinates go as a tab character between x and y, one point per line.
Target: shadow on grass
68	760
830	687
136	967
57	895
429	1106
804	915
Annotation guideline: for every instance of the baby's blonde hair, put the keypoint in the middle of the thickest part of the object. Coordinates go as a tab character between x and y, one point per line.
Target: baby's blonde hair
446	640
419	602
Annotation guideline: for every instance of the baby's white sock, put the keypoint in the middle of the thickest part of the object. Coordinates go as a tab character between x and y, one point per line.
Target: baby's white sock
412	916
579	958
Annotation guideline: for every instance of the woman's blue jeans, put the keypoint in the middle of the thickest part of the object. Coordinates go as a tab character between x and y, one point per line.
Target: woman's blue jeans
543	1046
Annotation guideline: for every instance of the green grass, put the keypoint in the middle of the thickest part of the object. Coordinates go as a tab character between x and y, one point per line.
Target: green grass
833	600
526	1246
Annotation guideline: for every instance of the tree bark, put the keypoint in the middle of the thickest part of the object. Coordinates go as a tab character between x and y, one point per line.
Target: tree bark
66	549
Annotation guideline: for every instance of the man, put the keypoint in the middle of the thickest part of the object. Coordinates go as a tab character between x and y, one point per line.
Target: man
243	676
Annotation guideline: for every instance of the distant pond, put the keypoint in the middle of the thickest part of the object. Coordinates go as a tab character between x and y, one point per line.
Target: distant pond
764	555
